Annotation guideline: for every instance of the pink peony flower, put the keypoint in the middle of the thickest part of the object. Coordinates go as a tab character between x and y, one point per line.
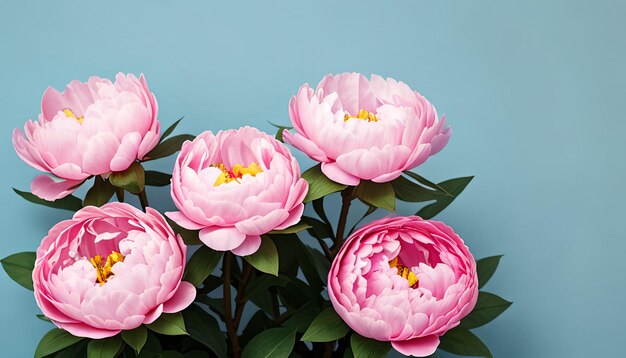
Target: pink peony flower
364	129
92	128
110	269
236	186
404	280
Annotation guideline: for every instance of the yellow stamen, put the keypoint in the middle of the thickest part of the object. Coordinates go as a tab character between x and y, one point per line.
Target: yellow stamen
363	115
103	272
236	173
405	272
68	113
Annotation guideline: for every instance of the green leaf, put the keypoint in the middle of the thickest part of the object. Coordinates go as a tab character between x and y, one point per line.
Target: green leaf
326	327
78	349
204	328
272	343
169	324
488	307
19	267
216	303
43	318
265	259
428	183
54	341
168	147
454	187
263	282
319	184
136	338
190	237
301	226
170	129
380	195
201	264
279	135
104	348
322	265
485	268
370	211
279	132
154	178
279	125
258	323
308	266
132	179
368	348
69	202
409	191
318	206
463	342
302	319
100	193
317	228
152	348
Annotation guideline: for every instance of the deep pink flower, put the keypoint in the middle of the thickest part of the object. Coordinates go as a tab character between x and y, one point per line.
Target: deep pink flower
110	269
92	128
364	129
236	186
404	280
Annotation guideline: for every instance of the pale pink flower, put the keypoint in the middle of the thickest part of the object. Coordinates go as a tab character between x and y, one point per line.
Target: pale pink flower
364	129
92	128
236	186
404	280
110	269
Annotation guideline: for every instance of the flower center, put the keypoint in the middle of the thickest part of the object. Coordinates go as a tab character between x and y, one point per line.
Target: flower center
236	173
405	272
363	115
69	114
103	269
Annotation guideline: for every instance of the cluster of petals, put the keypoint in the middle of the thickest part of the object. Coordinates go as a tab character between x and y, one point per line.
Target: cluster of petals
235	186
365	129
92	128
367	290
143	282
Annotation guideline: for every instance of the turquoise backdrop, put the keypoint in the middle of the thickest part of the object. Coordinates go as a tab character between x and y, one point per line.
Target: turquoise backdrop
534	91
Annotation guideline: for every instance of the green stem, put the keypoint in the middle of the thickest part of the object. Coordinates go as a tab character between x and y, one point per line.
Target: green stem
241	299
275	305
228	318
143	199
346	200
119	193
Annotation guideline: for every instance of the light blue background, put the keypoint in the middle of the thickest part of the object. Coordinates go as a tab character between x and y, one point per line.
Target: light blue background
534	91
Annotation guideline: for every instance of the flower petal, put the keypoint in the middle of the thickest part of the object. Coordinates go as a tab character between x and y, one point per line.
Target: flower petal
183	297
418	347
47	188
222	238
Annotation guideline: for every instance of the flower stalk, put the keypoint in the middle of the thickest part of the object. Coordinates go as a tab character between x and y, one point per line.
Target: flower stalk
346	201
228	318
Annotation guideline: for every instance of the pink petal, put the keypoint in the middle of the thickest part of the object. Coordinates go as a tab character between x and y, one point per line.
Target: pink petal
250	245
307	146
336	174
262	224
221	238
183	297
152	316
183	221
83	330
418	347
47	188
126	153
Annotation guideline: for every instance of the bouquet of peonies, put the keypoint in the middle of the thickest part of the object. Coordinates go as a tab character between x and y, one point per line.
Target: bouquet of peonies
239	270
